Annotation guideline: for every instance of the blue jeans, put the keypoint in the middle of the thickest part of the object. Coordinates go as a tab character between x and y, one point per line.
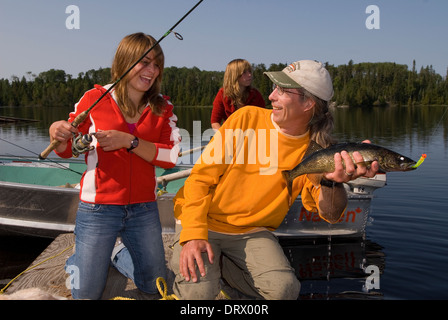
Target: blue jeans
96	231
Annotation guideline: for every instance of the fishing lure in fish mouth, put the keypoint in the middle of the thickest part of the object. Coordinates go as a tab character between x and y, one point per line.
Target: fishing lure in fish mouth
420	161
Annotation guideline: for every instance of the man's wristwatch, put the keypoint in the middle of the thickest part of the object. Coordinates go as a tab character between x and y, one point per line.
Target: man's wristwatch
134	144
328	183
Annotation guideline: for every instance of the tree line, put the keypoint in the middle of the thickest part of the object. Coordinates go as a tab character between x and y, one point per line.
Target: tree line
387	83
356	85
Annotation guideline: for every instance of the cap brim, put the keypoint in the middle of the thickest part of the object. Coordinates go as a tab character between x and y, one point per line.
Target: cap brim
282	80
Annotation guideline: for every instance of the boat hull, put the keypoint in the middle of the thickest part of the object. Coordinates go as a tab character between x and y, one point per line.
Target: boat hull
48	210
301	223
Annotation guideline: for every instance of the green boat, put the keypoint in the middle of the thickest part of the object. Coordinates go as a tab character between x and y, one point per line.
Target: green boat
40	198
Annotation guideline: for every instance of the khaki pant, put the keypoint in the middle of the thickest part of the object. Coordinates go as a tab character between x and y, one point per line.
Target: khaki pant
252	263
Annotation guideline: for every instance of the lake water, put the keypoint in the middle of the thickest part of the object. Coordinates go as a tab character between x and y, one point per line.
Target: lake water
407	232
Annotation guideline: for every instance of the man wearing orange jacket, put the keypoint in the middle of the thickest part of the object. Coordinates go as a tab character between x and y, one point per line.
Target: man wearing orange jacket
236	195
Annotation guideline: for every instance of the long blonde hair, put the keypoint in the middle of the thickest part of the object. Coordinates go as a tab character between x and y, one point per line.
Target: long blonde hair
231	87
130	49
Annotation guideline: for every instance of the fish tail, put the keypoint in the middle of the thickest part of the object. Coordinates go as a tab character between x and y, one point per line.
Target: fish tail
287	176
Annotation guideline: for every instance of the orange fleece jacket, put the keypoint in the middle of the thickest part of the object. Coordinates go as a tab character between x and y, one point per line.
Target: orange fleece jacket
237	185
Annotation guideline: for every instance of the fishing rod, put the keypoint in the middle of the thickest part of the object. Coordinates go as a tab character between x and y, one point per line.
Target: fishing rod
82	116
184	153
58	165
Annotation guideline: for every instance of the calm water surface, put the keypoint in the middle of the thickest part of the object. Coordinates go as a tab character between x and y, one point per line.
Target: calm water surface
407	231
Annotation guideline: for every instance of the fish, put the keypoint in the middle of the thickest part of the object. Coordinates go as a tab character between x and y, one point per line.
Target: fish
318	160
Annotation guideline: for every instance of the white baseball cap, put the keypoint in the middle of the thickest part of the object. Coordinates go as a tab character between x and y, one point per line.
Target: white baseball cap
308	74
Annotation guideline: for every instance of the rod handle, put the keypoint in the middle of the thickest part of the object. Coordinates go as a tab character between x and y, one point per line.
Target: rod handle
48	150
79	119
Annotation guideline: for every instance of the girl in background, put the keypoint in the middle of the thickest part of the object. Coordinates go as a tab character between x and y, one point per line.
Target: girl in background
236	92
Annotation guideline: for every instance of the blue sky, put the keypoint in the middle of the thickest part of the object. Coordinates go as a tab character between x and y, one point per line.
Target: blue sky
34	37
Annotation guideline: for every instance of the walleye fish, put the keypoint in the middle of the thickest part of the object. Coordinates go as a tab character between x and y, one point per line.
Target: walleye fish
318	160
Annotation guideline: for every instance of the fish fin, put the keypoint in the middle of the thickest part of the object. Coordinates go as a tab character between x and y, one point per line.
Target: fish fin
287	176
364	163
315	178
312	147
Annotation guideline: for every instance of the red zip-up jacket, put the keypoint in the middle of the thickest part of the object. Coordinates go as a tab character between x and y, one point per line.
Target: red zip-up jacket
223	107
120	177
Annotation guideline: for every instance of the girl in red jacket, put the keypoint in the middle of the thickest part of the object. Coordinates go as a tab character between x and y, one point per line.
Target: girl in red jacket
236	92
134	130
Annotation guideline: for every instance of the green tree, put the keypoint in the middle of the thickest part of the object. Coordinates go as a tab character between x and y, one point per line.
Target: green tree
358	85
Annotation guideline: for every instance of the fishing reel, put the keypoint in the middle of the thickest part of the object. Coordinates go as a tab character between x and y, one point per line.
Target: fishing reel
81	144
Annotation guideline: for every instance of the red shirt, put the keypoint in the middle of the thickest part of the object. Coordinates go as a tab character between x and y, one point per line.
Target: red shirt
120	177
223	107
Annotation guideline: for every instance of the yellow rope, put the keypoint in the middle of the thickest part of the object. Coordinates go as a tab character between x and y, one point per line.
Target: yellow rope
161	286
122	298
30	268
164	292
225	295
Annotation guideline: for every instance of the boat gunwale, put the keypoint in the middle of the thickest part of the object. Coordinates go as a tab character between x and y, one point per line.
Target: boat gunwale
62	189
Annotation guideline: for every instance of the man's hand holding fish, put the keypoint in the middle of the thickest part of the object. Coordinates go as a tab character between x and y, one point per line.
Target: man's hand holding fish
347	169
333	195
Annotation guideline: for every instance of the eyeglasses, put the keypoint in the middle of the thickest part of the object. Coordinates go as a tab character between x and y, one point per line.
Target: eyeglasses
281	91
